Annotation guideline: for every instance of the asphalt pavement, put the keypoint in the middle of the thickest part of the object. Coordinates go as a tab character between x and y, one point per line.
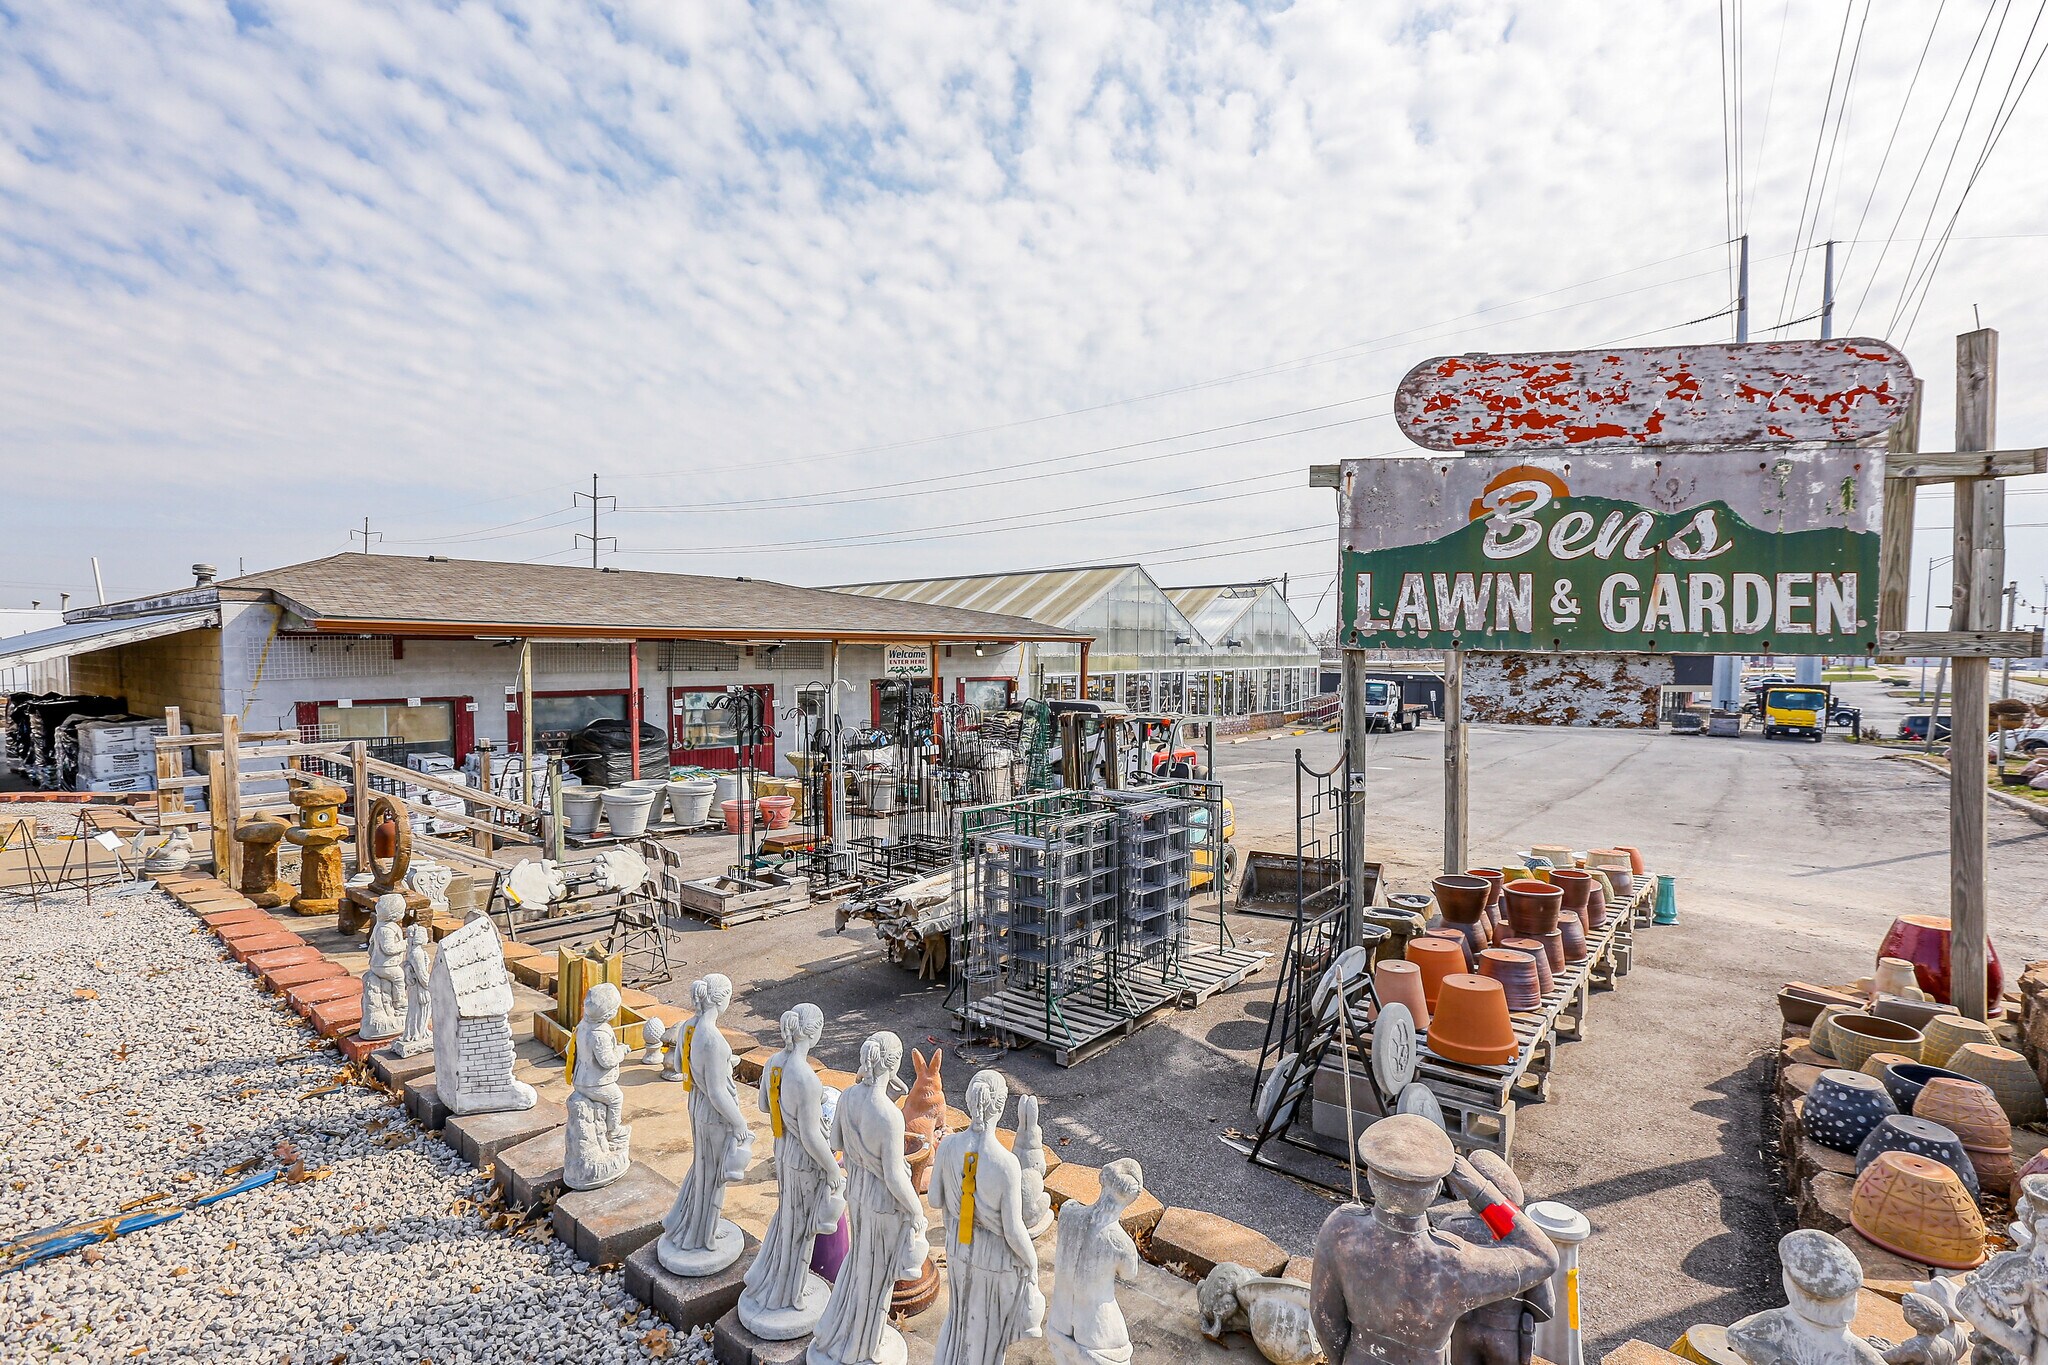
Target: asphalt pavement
1792	858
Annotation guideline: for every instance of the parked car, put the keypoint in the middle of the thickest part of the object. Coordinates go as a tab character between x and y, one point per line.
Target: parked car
2025	741
1915	727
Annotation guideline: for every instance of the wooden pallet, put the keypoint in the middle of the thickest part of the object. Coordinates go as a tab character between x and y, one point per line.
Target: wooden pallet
1203	973
726	901
1083	1024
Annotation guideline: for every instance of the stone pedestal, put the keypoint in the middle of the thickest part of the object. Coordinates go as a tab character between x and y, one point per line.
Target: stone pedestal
605	1226
396	1071
689	1302
530	1173
423	1102
480	1137
733	1344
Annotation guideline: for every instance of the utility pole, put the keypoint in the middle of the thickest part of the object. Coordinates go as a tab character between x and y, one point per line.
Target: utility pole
1808	669
367	534
597	504
1725	668
1979	569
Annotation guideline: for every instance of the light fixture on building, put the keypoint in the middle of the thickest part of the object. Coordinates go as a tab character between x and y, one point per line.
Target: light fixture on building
1182	641
1233	644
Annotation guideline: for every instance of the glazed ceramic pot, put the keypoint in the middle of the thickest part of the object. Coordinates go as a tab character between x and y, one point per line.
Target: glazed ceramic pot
1532	906
1894	976
1462	899
1907	1080
1553	948
1470	1023
1947	1033
1495	880
1819	1038
1917	1137
1534	948
1396	982
1881	1062
1615	863
1923	940
1918	1209
1843	1107
1853	1037
1436	958
1455	933
1914	1012
1798	1010
580	808
1572	935
1596	907
1517	973
1577	885
2008	1077
1968	1109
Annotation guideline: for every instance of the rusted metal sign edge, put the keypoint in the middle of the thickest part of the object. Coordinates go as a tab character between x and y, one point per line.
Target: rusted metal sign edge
1765	393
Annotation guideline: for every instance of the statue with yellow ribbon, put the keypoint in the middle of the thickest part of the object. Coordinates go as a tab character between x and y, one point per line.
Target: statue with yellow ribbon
696	1239
783	1299
991	1265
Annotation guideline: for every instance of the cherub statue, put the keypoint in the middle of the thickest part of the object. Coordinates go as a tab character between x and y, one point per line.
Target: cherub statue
596	1150
1932	1332
2005	1301
384	978
419	970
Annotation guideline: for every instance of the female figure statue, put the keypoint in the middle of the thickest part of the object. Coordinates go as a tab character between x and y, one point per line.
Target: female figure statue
384	978
1084	1325
991	1266
783	1300
885	1215
419	1021
695	1239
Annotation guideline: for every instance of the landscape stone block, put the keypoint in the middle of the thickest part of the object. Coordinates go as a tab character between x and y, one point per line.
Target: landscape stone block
284	957
230	918
281	979
1073	1181
733	1344
336	1018
1202	1241
423	1102
1299	1268
357	1049
607	1225
689	1302
396	1071
305	996
480	1137
536	972
747	1067
1883	1271
530	1172
1824	1202
242	949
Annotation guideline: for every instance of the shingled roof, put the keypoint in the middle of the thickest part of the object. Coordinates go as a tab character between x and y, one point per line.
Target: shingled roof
399	594
475	963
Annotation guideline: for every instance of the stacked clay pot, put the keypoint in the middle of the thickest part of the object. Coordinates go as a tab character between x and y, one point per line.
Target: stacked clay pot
1534	948
1495	880
1853	1038
1519	978
1436	958
1842	1108
1946	1034
1471	1024
1572	937
1450	934
1400	983
1918	1137
2006	1074
1553	948
1577	885
1970	1111
1636	865
1532	907
1878	1063
1461	901
1907	1079
1596	915
1619	869
1917	1208
1894	976
1918	1013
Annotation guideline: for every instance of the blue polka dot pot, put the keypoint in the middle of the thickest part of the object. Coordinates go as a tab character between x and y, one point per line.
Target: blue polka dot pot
1921	1137
1843	1107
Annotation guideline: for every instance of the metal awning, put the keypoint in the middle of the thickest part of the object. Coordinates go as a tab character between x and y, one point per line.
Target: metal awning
83	637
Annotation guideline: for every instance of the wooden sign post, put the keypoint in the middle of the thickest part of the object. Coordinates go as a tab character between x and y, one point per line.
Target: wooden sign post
1979	521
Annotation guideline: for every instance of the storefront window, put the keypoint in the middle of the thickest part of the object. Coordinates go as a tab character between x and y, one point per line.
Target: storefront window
557	717
700	726
1138	691
1059	687
429	723
1172	695
987	694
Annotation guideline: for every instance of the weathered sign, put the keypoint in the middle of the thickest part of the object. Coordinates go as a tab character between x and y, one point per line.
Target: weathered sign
1614	552
1751	394
906	661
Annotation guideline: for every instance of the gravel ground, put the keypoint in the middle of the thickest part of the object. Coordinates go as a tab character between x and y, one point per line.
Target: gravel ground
138	1061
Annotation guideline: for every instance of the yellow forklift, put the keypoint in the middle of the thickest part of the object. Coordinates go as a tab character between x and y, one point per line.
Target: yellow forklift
1110	748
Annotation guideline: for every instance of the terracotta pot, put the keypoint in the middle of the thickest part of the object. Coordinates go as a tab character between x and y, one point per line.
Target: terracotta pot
1914	1012
1462	899
1520	980
1572	936
1534	948
2037	1164
1966	1108
2006	1074
1436	958
1471	1023
1881	1062
1533	906
1842	1108
1918	1137
1596	908
1918	1209
1995	1171
1906	1081
1455	933
1853	1037
1577	886
1396	982
1495	880
914	1295
1553	948
1946	1034
1923	941
1894	976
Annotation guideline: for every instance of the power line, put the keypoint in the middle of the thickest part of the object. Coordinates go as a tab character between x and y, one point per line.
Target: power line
1898	123
1834	141
1819	136
1770	96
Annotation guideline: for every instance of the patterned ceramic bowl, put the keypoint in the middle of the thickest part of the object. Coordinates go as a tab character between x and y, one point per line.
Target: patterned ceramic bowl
1906	1080
1969	1110
1918	1137
1917	1208
1855	1038
1818	1037
1947	1032
2007	1075
1843	1107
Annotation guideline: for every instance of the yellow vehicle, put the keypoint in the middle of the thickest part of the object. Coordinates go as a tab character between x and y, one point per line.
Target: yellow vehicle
1800	710
1204	859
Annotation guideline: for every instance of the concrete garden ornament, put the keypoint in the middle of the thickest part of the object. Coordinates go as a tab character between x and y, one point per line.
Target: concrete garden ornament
1083	1324
991	1265
1502	1332
1389	1289
886	1217
596	1141
418	1036
1030	1149
783	1299
470	997
1821	1279
1273	1311
2006	1305
695	1238
432	880
384	978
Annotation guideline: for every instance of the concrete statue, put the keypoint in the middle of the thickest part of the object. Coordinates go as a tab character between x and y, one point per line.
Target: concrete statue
783	1300
1083	1324
885	1216
991	1265
596	1141
695	1237
470	998
1030	1150
1821	1277
259	837
1935	1340
384	978
2005	1301
1390	1290
1502	1332
418	1035
432	880
318	834
1272	1310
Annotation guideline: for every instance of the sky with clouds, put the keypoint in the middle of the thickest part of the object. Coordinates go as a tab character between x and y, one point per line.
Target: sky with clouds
873	290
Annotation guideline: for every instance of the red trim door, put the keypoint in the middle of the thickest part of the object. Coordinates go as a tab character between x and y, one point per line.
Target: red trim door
462	710
875	697
701	736
1009	689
